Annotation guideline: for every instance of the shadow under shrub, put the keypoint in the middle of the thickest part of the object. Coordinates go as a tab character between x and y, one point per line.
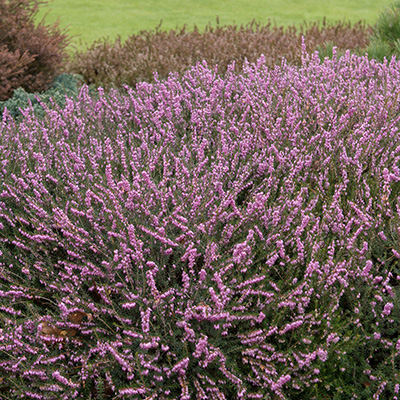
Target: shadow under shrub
113	64
206	237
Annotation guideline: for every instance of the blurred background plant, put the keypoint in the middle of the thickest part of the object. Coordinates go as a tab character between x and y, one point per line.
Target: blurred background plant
385	40
114	64
63	86
31	55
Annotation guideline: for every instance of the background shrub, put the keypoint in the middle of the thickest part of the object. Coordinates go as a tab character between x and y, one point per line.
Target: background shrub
109	64
385	41
209	237
65	85
30	56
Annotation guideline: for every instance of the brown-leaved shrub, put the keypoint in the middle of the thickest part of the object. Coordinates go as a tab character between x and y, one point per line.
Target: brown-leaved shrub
109	64
30	55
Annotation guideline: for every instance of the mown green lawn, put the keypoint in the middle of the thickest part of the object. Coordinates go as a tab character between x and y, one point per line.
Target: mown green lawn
89	20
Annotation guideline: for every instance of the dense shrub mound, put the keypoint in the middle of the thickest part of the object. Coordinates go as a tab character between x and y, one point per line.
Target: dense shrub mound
30	55
117	63
208	237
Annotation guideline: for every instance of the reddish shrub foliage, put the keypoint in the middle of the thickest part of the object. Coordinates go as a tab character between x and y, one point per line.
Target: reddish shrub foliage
114	64
30	56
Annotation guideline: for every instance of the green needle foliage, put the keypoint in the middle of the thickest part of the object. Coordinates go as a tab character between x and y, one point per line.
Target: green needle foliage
64	85
385	41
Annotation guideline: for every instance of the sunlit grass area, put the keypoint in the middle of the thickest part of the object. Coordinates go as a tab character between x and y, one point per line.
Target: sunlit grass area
89	20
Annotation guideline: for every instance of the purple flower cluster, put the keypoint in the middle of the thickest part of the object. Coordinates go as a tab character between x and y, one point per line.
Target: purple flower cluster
205	237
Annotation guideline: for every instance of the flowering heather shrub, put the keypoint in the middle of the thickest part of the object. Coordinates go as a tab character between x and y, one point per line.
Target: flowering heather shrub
115	64
213	237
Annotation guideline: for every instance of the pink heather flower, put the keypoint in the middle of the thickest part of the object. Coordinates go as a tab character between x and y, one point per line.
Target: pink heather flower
367	268
202	275
385	174
291	326
34	395
215	298
201	347
387	309
131	391
382	236
146	320
151	282
56	375
377	335
322	355
186	281
260	317
181	366
332	337
281	381
148	345
397	255
240	252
